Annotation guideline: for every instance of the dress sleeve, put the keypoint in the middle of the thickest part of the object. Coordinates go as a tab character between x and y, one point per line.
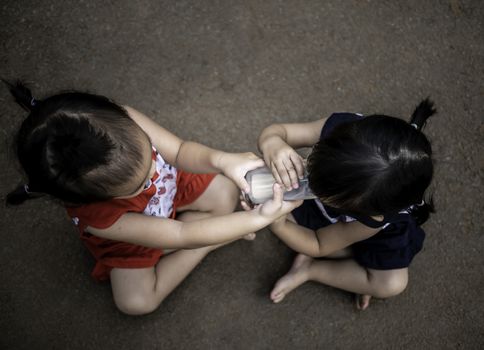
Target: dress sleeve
99	215
370	222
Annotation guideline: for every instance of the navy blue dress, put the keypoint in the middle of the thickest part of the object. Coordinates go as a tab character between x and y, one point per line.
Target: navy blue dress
393	247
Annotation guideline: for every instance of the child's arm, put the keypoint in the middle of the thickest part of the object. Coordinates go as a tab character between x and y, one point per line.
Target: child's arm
324	241
277	143
195	157
151	231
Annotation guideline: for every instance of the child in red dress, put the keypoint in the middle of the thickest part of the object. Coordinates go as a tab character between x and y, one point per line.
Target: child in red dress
130	187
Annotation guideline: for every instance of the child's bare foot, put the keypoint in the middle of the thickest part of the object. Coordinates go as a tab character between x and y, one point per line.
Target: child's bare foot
362	301
297	275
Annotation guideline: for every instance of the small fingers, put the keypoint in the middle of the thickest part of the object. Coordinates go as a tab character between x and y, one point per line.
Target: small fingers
244	206
243	185
255	163
245	202
283	174
276	174
278	193
293	176
259	162
299	164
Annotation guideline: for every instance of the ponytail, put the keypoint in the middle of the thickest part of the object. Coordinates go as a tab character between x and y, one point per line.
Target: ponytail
20	195
22	94
421	212
424	111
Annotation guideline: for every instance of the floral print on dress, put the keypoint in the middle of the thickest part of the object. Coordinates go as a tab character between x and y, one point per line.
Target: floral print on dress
161	204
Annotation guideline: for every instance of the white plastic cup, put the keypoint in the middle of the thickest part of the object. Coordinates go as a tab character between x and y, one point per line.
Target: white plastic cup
261	184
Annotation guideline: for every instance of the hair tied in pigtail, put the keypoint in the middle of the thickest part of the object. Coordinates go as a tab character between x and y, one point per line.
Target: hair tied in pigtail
23	96
21	194
424	110
421	211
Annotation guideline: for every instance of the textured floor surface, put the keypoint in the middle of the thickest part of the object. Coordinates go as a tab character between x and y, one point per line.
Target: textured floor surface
217	72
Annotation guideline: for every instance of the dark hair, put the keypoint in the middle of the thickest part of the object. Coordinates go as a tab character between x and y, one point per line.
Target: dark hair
77	147
376	165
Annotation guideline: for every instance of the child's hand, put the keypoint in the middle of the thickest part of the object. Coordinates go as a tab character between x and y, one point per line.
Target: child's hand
275	208
236	165
287	166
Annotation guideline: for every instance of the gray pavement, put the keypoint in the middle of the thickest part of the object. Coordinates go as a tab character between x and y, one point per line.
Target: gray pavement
217	72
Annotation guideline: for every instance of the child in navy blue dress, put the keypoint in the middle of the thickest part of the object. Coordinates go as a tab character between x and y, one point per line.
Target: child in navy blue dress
370	175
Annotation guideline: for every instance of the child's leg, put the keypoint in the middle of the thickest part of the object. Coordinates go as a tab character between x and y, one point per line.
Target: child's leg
219	198
141	291
344	274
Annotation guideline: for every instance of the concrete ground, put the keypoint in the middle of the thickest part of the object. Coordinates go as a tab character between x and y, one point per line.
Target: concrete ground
217	72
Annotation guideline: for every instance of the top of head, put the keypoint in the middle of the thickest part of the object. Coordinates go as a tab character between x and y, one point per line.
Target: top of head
79	147
372	166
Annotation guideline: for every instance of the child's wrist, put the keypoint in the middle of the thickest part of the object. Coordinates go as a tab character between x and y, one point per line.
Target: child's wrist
265	144
260	218
218	161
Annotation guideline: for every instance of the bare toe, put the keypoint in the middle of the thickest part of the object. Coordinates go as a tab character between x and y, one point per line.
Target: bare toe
297	275
277	293
362	301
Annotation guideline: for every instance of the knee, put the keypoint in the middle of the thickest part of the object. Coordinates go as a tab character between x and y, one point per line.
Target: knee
391	286
136	305
227	199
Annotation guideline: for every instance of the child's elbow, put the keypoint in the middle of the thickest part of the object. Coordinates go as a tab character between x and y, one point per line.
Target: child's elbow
314	252
323	251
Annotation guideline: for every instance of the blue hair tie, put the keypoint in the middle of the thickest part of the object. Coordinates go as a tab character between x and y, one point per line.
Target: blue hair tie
33	102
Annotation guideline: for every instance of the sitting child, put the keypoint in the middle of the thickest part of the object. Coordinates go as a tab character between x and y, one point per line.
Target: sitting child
147	204
370	175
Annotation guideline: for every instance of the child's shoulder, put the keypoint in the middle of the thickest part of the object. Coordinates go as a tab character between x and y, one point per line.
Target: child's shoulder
388	222
104	214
